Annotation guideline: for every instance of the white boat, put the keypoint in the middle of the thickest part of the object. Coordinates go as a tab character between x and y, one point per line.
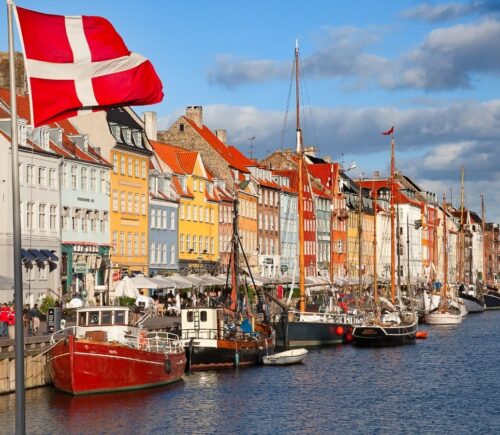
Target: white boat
445	318
288	357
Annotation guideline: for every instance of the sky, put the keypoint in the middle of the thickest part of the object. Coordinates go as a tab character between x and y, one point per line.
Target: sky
430	68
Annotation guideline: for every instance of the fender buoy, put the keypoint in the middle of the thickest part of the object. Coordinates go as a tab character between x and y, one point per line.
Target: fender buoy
348	337
339	330
421	334
143	341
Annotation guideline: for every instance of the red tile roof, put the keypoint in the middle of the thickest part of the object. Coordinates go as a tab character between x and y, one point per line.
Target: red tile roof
232	156
187	160
168	154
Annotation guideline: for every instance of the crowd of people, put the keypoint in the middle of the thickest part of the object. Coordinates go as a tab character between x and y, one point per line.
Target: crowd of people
31	320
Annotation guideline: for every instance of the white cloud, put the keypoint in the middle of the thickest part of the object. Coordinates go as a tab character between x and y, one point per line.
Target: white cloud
450	11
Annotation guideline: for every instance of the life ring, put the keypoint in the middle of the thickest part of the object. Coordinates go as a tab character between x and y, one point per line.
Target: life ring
143	341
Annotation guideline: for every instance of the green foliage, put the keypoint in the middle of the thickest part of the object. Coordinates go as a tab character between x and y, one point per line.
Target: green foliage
125	301
48	302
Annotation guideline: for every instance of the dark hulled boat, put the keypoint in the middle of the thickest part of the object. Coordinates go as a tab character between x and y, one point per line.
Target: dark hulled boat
472	303
214	341
492	300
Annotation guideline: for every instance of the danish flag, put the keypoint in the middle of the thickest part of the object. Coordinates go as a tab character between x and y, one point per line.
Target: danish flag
78	64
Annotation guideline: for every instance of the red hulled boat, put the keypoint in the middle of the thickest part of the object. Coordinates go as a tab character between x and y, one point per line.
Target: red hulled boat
104	352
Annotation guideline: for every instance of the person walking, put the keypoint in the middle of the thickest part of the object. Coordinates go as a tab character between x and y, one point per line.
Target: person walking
4	320
11	320
35	319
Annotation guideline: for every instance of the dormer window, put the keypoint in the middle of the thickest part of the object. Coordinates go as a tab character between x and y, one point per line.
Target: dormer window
21	132
210	189
115	130
184	183
127	135
44	138
137	138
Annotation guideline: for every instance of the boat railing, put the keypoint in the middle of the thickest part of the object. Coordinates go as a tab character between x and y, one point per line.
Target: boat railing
214	334
208	334
161	342
70	330
351	318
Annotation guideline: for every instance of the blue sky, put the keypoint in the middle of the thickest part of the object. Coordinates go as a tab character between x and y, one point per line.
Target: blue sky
432	68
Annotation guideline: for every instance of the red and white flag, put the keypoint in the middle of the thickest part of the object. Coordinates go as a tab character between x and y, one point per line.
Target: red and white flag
78	64
388	132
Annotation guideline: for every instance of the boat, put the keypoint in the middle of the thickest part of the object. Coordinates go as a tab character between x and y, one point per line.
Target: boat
492	300
390	324
448	311
293	356
295	326
107	351
472	303
226	334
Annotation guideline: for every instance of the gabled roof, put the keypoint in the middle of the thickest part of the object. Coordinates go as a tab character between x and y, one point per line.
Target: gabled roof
168	154
232	156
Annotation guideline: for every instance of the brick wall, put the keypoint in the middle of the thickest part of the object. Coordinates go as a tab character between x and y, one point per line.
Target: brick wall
20	72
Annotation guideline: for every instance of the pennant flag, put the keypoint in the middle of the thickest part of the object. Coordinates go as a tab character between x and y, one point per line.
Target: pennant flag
78	64
388	132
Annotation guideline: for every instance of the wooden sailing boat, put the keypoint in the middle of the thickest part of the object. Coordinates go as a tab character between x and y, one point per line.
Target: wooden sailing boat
448	310
395	325
227	335
299	328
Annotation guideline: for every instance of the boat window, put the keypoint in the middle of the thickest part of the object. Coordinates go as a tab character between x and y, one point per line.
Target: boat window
106	317
119	317
189	316
203	316
82	317
94	318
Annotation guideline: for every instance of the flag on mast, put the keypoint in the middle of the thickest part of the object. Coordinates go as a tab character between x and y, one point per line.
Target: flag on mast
388	132
79	64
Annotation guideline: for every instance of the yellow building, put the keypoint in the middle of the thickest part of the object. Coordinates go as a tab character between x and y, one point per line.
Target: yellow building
198	209
353	240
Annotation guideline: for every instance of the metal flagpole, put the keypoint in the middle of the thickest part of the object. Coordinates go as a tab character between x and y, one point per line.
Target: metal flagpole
16	225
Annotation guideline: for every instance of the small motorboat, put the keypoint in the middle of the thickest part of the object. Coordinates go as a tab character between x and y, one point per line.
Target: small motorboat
294	356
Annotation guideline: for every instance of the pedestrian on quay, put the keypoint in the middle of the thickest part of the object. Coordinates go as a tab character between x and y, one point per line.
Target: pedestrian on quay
4	320
11	321
26	317
35	319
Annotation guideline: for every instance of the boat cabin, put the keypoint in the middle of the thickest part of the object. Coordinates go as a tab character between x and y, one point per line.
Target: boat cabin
202	322
104	323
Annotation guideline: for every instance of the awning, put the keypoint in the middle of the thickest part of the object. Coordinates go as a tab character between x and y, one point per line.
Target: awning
26	255
49	254
38	255
142	282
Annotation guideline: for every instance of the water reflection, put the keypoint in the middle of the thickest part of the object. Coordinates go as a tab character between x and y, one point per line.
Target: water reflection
445	384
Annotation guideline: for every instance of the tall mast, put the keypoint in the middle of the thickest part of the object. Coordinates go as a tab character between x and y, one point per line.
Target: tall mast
360	241
234	258
461	234
408	252
445	251
398	256
300	155
333	183
393	252
483	230
375	276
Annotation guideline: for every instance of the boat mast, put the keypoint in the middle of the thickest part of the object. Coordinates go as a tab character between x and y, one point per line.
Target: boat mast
408	252
300	155
375	276
333	183
234	258
360	241
445	251
393	252
461	234
483	230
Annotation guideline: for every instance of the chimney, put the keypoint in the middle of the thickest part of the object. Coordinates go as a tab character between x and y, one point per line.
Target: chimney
221	135
195	113
150	125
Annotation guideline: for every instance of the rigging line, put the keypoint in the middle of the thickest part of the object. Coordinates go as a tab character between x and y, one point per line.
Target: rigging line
285	120
304	81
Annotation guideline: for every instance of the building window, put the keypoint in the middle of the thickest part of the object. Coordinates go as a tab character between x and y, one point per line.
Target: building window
143	244
65	218
207	215
211	245
115	163
164	253
195	185
164	219
93	180
83	179
122	243
212	220
42	181
136	167
42	272
73	177
136	204
152	252
195	243
129	244
104	222
115	240
172	253
115	200
122	202
188	217
143	205
181	243
172	220
122	165
181	211
136	243
181	127
195	213
152	217
130	208
52	179
65	175
143	169
130	167
206	245
29	175
42	216
104	187
85	219
53	218
188	243
201	185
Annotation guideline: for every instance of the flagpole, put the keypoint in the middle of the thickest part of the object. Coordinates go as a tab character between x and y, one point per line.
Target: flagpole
16	235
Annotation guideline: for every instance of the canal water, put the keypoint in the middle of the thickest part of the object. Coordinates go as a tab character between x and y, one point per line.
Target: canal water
449	383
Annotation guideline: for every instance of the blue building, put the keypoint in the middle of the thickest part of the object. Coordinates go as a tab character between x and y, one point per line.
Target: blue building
163	221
